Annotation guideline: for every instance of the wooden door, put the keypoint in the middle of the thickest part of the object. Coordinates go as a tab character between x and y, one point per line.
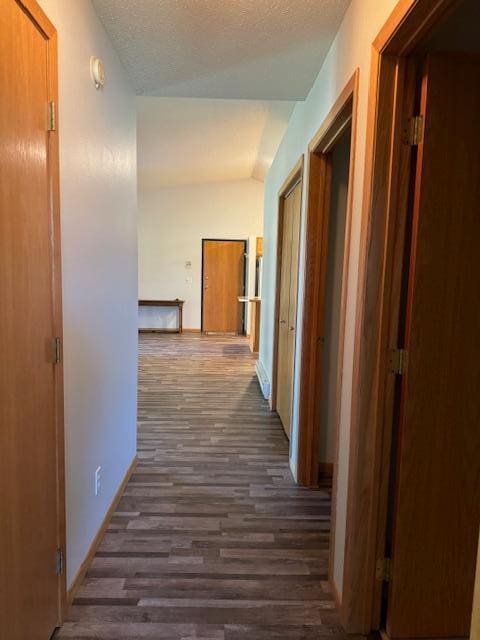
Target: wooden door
288	305
223	283
437	502
30	454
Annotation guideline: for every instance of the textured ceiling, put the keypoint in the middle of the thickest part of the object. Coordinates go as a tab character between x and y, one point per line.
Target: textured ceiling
188	141
247	49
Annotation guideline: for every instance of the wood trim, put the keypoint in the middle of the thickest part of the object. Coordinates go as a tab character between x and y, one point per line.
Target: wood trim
342	113
82	570
475	630
377	308
36	13
295	175
409	23
39	16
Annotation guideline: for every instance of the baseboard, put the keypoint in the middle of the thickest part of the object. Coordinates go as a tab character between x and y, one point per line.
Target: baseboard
82	570
335	594
293	468
166	330
263	379
158	330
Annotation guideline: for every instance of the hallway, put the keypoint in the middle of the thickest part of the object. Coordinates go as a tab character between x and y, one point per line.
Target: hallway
211	540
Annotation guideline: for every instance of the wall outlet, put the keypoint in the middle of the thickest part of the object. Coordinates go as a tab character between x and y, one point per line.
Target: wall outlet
98	480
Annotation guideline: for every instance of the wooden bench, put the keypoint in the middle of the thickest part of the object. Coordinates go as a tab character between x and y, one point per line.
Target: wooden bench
164	303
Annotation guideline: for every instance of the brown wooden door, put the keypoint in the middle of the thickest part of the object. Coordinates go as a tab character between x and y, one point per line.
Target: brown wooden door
29	488
223	283
288	306
437	502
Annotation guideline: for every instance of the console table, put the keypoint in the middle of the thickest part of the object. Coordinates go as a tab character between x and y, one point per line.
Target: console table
165	303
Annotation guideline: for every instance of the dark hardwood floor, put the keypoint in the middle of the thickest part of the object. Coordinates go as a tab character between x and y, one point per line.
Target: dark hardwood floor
211	539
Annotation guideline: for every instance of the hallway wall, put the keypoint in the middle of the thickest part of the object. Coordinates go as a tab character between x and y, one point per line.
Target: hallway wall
99	261
350	49
172	223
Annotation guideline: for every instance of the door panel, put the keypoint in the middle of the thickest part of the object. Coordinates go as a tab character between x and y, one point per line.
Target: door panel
28	439
288	306
223	282
437	503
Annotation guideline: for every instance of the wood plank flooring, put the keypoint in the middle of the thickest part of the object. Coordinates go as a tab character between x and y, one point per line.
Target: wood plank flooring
211	540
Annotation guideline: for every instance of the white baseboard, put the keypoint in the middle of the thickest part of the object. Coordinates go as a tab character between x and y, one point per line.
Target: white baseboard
263	379
293	469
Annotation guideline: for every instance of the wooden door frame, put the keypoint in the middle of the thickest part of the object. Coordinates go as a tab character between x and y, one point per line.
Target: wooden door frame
245	245
378	304
37	15
295	175
342	114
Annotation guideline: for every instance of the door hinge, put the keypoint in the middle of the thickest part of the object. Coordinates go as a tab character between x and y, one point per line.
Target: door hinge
57	350
383	570
59	562
397	361
52	116
413	132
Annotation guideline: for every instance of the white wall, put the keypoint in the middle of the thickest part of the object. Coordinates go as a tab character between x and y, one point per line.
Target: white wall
99	260
350	49
172	223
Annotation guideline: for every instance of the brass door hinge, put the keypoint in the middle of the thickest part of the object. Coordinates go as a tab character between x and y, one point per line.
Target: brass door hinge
413	132
56	350
59	562
383	570
397	361
52	116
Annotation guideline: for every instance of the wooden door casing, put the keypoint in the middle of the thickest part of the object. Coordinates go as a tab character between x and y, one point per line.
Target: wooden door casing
288	305
223	281
31	385
437	496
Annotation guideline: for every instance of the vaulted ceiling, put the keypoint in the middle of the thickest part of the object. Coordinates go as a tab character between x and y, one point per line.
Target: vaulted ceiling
187	141
246	49
217	80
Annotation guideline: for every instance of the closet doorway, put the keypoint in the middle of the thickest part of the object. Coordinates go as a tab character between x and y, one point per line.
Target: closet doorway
290	203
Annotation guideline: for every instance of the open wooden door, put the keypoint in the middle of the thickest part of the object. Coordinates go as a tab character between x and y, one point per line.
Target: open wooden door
288	305
31	427
223	283
437	495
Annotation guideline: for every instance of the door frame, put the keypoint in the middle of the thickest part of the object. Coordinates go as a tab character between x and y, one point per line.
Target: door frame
37	15
245	261
342	114
388	159
295	176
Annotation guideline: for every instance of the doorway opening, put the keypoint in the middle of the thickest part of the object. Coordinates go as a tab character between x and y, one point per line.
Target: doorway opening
415	465
331	165
224	265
